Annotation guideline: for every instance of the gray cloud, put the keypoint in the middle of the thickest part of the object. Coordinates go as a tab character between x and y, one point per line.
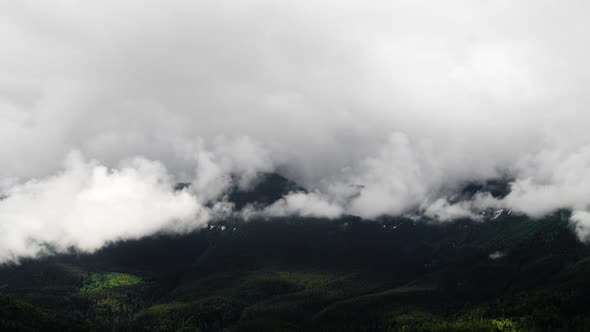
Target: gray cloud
383	108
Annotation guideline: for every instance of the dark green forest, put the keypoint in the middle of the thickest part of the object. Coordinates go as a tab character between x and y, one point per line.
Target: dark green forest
511	273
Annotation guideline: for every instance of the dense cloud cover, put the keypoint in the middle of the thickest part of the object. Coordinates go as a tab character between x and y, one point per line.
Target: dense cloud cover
380	108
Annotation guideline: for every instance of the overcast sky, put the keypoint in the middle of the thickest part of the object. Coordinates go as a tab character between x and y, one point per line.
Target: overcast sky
410	99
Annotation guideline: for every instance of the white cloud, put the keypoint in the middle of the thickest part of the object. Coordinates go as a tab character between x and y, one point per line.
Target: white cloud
496	255
238	161
310	204
88	205
581	220
443	210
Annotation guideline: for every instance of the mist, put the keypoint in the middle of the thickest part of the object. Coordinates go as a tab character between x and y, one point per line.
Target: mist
379	109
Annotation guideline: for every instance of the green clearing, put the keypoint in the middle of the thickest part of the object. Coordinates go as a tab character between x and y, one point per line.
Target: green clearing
101	281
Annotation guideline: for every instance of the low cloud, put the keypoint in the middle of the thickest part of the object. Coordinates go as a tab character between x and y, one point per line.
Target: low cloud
88	205
227	163
303	204
581	220
443	210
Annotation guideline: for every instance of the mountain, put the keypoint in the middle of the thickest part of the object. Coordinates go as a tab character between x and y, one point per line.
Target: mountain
267	189
511	273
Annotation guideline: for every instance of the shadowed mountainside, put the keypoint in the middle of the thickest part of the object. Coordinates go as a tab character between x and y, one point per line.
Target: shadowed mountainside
511	273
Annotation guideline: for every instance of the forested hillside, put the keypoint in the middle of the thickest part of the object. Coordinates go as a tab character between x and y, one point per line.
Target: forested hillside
395	274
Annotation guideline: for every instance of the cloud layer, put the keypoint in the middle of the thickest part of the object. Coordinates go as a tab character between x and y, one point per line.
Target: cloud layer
378	109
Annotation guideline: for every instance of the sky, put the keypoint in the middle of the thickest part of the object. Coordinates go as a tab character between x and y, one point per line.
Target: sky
377	108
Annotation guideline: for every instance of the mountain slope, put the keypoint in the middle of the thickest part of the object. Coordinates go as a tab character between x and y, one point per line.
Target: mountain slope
508	273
